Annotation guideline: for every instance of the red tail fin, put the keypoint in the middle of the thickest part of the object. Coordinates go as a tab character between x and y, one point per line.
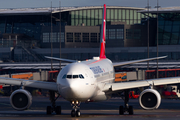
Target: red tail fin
103	34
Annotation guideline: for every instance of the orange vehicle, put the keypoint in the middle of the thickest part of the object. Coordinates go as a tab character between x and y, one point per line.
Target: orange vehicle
23	76
120	77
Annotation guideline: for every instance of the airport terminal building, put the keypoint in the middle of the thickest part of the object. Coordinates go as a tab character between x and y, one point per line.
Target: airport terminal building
29	34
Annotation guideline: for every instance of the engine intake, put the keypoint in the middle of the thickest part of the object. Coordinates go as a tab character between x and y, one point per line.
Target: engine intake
149	99
21	99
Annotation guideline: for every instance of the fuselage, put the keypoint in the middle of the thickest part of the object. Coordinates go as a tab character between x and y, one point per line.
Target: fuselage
84	81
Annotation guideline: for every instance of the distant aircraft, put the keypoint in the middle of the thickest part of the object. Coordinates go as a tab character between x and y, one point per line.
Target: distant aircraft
90	80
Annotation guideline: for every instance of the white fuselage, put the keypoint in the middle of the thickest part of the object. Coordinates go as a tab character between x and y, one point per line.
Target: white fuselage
84	81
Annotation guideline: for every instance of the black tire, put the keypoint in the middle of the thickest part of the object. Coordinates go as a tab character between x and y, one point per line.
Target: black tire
78	113
73	113
48	110
130	110
121	110
58	110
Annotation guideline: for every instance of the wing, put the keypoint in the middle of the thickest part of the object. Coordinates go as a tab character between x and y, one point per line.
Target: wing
60	59
29	83
136	61
142	83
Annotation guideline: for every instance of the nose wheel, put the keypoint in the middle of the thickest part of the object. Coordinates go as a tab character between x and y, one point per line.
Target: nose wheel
76	110
75	113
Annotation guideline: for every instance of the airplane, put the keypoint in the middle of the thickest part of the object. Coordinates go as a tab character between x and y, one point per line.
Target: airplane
89	81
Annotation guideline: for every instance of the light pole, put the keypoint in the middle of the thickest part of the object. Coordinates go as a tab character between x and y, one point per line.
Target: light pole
51	39
60	34
148	34
157	74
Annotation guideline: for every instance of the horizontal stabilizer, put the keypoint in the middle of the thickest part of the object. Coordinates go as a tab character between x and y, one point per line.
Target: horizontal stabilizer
60	59
136	61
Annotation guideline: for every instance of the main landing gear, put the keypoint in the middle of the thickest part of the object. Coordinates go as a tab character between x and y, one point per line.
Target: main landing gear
75	110
50	109
126	107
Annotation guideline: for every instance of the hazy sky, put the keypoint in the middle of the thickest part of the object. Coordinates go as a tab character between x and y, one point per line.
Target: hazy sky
67	3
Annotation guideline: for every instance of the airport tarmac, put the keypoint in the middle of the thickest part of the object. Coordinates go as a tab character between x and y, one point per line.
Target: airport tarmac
169	109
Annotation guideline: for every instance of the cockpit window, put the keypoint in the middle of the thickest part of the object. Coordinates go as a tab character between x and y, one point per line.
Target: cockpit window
75	76
69	76
81	76
64	76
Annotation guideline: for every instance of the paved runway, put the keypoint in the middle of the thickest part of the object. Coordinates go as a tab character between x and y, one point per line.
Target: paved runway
169	109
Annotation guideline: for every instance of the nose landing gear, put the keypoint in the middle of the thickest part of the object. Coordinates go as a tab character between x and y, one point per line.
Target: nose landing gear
75	110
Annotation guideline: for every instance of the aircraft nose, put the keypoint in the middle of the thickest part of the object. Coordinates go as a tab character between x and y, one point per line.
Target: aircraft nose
70	89
74	89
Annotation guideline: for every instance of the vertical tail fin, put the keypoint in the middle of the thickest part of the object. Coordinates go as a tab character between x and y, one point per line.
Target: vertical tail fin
103	34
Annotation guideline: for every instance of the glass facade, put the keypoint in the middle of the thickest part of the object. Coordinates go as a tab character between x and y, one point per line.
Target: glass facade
93	17
112	34
29	25
38	28
69	37
77	37
82	37
169	29
85	37
94	37
133	33
46	37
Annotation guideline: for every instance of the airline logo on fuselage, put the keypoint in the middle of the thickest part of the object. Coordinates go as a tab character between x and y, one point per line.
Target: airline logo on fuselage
96	69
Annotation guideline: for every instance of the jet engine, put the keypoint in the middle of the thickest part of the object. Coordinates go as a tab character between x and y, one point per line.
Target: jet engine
21	99
149	99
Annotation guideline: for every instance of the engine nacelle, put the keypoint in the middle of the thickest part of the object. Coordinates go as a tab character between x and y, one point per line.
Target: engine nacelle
21	99
149	99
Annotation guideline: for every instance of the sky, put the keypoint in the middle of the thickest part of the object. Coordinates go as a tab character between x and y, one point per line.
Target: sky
78	3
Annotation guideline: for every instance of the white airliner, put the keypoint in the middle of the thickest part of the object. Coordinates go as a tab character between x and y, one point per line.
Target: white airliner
90	80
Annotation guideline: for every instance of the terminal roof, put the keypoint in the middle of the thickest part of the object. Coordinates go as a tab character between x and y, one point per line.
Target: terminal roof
161	10
21	11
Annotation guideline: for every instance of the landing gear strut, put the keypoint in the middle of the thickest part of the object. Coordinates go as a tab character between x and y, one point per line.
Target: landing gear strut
52	108
126	107
75	110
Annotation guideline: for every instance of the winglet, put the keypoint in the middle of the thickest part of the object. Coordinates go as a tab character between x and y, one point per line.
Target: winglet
103	34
